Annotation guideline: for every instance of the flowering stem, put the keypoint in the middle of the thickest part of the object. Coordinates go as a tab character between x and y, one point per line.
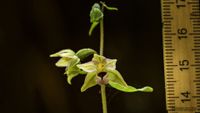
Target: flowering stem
103	97
101	36
103	86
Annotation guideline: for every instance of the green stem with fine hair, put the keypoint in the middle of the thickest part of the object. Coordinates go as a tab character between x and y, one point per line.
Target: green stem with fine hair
103	97
101	36
103	86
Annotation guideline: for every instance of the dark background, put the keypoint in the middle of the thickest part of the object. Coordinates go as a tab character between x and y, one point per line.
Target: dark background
31	30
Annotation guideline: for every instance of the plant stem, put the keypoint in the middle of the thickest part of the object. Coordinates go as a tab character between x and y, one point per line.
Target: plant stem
103	97
101	37
103	86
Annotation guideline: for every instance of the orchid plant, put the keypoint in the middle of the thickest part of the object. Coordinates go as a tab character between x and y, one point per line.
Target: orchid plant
100	70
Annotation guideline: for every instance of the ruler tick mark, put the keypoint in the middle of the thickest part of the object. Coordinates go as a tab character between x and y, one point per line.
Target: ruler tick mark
171	65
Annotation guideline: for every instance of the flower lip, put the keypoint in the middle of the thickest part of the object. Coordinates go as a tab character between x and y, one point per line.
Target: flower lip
102	74
67	57
102	81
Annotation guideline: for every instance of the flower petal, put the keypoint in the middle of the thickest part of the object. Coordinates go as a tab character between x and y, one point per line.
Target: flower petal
64	53
90	81
87	67
110	64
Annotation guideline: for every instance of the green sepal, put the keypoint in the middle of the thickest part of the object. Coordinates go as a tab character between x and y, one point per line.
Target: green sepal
84	53
93	25
74	62
99	59
115	76
122	87
72	70
63	62
129	89
90	81
146	89
63	53
67	55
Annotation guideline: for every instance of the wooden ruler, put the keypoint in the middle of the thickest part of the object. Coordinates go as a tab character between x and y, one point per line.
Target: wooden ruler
181	50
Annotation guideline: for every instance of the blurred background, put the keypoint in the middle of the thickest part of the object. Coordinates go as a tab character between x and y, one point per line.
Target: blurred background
31	30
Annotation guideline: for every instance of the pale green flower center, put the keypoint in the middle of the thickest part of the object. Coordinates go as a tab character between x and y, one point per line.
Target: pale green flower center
100	67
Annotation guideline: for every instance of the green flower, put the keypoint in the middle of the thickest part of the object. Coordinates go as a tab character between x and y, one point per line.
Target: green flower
100	70
98	66
67	56
107	67
69	59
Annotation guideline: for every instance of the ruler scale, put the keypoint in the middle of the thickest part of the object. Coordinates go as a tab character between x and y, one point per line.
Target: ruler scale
181	53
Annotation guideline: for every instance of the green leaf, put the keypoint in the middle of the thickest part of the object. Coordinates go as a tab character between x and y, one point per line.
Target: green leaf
64	53
88	67
90	81
146	89
122	87
94	24
83	53
116	77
